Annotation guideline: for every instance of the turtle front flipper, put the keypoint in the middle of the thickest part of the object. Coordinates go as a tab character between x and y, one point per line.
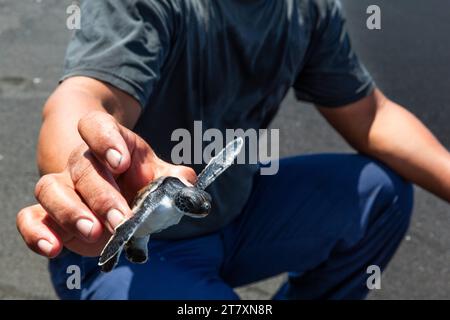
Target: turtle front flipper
111	253
219	163
136	249
123	232
111	263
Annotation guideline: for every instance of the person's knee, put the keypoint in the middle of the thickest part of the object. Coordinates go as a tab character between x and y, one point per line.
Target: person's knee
387	188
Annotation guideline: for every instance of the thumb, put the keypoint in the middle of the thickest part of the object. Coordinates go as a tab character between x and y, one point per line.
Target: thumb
144	169
185	174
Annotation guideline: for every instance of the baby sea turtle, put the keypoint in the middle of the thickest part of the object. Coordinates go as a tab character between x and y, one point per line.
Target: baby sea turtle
162	204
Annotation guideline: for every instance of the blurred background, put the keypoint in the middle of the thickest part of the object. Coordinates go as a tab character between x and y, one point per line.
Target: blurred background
408	57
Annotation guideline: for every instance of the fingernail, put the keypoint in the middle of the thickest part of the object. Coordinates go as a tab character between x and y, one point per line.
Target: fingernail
84	226
45	246
114	217
113	157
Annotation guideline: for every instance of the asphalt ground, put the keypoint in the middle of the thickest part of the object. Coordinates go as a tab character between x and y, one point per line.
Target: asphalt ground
408	57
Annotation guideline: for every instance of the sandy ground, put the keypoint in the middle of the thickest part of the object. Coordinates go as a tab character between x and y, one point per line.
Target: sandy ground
408	58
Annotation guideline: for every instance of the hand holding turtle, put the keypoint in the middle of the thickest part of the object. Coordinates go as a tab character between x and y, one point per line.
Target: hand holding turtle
80	206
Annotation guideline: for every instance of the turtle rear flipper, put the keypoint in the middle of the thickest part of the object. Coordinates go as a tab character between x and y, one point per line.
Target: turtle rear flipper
136	249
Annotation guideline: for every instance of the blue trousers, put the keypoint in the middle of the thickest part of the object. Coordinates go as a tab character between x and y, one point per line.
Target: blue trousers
323	219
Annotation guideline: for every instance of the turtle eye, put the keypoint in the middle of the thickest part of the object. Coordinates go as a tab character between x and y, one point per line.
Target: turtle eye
206	206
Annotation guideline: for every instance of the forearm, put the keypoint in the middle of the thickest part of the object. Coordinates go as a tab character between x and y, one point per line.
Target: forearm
73	99
384	130
400	140
59	134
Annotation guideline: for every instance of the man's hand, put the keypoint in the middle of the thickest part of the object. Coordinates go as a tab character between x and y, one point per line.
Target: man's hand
80	206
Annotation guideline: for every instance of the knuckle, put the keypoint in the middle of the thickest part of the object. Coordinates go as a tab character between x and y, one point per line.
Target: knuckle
76	155
23	227
102	202
21	216
88	119
66	218
44	184
81	168
101	121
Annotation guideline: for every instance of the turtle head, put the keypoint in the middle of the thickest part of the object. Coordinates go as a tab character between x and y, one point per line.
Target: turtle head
193	202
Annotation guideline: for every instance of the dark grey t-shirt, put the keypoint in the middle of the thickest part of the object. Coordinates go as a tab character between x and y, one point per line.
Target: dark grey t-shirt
228	63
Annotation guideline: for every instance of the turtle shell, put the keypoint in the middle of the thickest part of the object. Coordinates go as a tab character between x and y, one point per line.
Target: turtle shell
145	191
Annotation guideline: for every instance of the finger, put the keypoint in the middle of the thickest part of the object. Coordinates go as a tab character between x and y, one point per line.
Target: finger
90	250
107	139
33	224
98	189
56	195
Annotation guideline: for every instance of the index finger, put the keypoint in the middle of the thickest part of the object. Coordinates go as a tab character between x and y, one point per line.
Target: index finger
108	140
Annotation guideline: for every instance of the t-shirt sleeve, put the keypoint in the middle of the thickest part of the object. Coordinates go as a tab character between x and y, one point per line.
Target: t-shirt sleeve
332	75
123	43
